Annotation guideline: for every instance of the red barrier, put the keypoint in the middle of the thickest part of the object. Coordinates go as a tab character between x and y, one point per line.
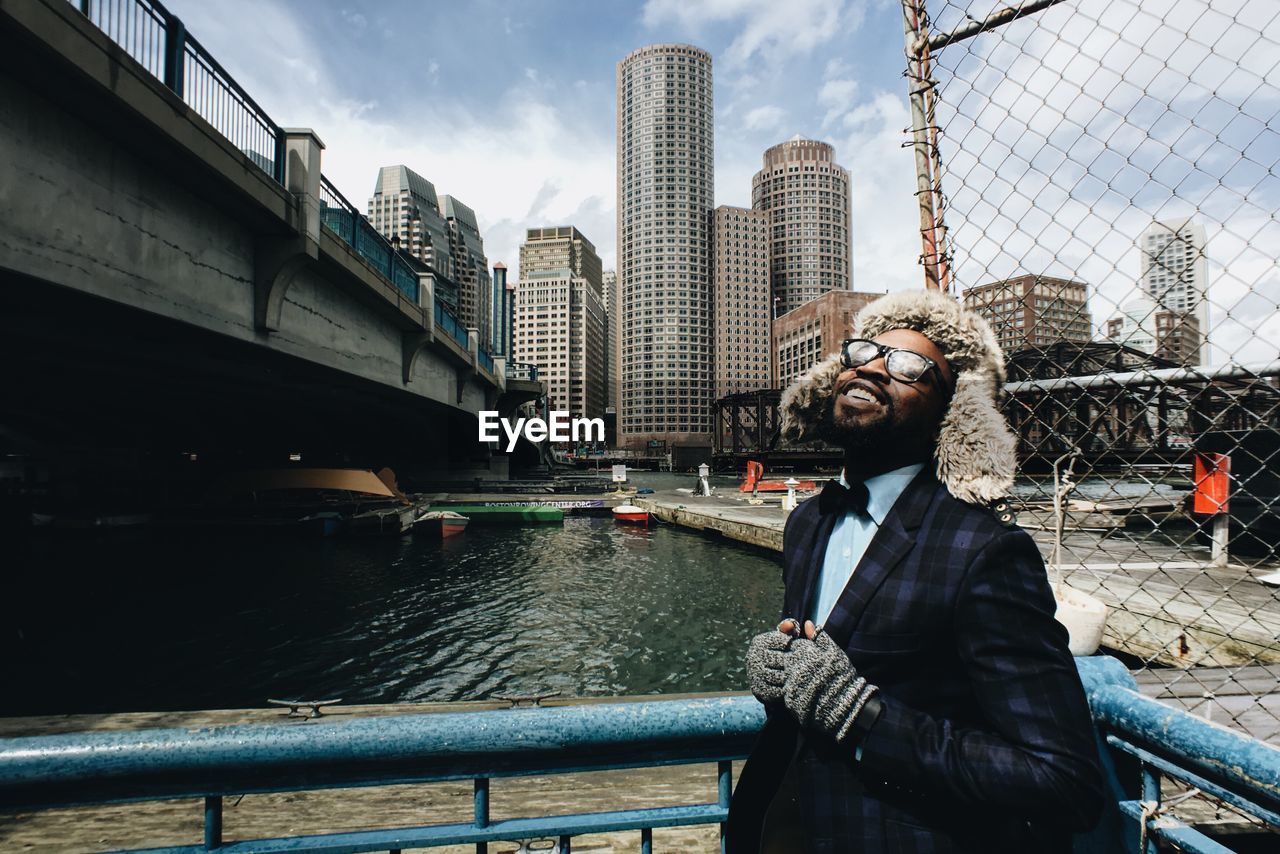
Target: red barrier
1212	474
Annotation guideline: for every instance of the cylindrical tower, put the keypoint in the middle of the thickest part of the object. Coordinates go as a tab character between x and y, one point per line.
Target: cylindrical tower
806	195
665	195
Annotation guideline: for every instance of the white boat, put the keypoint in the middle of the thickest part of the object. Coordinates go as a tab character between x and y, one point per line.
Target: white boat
630	514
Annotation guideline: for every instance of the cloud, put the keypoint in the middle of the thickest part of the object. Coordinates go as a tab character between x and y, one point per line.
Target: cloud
886	237
836	95
769	30
767	117
496	156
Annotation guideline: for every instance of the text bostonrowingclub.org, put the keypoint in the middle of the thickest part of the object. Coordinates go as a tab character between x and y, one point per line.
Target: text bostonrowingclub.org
559	428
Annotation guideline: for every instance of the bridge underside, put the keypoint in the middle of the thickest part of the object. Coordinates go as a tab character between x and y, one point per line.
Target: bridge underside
105	397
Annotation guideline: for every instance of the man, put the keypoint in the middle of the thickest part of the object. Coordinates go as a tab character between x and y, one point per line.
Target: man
920	695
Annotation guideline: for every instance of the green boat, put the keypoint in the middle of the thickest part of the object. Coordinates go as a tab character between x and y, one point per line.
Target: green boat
506	514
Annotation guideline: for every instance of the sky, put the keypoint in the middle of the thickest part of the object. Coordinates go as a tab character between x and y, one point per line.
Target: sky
1065	134
510	106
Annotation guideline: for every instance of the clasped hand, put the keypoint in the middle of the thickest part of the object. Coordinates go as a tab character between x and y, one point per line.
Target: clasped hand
810	675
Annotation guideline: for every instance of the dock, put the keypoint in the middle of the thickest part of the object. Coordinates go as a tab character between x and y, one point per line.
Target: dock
1168	604
575	504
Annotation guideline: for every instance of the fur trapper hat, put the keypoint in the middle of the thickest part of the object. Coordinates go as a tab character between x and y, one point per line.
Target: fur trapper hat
975	454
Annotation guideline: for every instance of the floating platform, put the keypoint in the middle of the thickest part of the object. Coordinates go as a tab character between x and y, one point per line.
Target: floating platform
598	504
506	514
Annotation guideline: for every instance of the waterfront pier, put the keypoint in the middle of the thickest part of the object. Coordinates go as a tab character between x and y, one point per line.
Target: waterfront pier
1169	602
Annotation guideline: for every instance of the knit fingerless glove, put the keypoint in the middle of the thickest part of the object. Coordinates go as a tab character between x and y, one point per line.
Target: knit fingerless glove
822	689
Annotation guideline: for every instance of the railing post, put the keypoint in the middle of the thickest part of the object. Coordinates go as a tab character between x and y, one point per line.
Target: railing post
212	822
175	42
1150	802
473	346
482	810
724	771
427	299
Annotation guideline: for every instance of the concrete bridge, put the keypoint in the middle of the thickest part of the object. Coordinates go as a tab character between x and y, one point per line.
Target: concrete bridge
176	279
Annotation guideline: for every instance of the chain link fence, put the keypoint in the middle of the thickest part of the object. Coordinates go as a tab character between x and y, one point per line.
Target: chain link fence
1100	179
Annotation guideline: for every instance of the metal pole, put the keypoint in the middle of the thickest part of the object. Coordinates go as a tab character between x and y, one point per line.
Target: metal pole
918	84
1161	377
213	822
1221	534
995	19
481	804
175	42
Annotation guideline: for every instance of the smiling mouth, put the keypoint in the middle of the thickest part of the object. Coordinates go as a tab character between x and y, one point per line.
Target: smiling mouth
862	394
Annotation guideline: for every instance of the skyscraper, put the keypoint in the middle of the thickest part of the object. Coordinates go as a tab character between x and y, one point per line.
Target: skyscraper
613	312
806	196
502	325
1175	272
404	208
740	288
560	318
1151	328
665	191
471	267
560	248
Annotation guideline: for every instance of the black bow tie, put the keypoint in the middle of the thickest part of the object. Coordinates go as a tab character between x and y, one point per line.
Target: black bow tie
837	498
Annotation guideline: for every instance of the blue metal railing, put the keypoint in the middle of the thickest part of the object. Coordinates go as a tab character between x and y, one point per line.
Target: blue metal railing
342	218
102	767
49	771
486	361
522	371
157	40
446	321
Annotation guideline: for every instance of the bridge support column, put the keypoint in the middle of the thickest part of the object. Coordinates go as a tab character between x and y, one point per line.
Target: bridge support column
413	343
277	259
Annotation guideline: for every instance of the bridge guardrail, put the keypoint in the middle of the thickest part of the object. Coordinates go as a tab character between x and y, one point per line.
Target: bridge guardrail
47	772
522	371
446	321
156	39
486	361
344	220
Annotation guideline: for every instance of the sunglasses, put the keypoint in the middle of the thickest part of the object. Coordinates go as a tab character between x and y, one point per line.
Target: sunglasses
906	366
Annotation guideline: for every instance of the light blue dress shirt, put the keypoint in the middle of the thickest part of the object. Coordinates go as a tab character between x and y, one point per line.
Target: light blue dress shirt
852	534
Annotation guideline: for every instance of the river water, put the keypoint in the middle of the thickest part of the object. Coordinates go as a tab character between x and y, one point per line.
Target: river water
158	621
590	608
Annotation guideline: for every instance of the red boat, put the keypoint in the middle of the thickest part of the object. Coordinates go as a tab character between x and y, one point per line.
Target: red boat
754	482
629	514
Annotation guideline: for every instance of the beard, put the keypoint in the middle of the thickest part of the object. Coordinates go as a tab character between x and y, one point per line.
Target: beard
879	433
863	434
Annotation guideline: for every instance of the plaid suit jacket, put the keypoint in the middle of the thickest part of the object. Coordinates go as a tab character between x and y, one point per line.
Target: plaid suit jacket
985	741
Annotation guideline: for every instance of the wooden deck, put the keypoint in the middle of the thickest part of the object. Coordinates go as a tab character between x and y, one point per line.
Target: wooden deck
1244	698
